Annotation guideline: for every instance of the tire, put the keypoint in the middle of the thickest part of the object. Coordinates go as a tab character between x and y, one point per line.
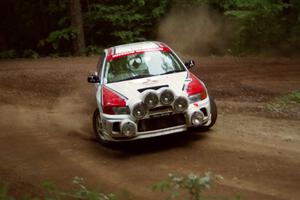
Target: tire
97	126
214	114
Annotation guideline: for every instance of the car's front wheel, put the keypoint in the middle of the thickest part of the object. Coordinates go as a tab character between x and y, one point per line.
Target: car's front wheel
98	128
214	114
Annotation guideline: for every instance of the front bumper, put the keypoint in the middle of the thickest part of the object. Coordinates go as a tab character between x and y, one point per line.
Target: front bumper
112	131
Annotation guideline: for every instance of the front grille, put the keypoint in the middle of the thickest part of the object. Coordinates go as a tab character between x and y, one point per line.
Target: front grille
116	126
161	109
162	122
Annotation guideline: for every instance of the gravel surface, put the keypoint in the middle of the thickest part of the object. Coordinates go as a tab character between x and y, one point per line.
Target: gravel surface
46	108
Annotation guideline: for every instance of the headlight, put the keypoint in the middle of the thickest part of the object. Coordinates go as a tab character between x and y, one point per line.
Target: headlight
181	104
121	110
150	99
128	128
195	98
166	97
139	110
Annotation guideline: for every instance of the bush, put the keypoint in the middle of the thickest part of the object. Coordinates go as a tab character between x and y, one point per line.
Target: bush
82	193
8	54
263	25
288	103
4	194
60	40
123	22
92	50
29	53
191	185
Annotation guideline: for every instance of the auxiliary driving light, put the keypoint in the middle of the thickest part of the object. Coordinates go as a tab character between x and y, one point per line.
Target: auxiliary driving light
139	110
166	97
128	128
151	99
181	104
197	118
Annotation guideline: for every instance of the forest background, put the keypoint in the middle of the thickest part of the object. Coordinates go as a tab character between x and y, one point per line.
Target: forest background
35	28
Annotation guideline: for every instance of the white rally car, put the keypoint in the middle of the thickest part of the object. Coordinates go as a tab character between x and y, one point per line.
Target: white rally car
144	90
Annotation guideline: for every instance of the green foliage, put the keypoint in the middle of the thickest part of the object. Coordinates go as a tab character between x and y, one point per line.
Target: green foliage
57	37
4	193
81	193
8	54
260	25
92	50
282	103
128	21
191	186
295	96
263	24
55	7
29	53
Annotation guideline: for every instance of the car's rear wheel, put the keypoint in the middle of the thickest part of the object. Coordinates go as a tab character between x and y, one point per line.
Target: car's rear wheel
214	114
98	128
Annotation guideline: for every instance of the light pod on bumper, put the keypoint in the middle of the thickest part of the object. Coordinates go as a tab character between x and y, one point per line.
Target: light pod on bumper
128	128
139	110
197	118
150	99
167	97
180	104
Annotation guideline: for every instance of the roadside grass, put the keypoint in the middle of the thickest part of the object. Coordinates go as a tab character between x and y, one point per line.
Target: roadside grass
4	192
285	103
189	187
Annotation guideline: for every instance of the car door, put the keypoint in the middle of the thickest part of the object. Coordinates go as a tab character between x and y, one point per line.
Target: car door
100	67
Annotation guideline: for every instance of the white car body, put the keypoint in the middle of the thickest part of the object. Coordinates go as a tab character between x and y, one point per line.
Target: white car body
113	127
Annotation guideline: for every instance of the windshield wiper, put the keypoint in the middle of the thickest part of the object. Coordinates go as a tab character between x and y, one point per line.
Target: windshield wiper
173	71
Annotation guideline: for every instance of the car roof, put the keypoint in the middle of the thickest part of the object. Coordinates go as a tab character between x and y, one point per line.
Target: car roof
134	48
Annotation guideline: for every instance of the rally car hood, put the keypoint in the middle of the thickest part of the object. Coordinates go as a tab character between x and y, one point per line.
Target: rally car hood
132	89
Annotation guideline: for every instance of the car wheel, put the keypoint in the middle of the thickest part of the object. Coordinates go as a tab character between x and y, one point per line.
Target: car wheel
97	126
214	114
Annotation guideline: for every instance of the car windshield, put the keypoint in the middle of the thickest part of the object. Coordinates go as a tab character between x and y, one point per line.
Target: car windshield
142	65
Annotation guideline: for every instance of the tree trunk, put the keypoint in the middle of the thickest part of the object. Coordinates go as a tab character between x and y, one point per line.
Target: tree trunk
77	24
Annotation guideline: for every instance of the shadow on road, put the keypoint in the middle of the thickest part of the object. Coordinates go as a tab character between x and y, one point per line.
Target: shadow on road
157	144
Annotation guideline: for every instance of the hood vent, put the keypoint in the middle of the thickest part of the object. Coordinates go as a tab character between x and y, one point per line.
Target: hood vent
152	88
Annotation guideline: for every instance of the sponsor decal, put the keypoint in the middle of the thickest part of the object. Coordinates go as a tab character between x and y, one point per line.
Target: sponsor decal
149	81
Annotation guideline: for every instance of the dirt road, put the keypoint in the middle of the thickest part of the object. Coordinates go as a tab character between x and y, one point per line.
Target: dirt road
45	131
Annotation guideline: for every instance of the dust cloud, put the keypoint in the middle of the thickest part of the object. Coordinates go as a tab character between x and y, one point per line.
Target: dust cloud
196	31
69	115
72	113
47	98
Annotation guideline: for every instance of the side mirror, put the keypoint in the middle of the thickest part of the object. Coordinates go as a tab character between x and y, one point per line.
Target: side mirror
93	78
189	64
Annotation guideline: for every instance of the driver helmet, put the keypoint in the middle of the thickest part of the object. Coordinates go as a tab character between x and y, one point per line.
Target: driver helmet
136	63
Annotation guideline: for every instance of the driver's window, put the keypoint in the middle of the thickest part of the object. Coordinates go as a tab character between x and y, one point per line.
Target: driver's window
100	62
168	63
